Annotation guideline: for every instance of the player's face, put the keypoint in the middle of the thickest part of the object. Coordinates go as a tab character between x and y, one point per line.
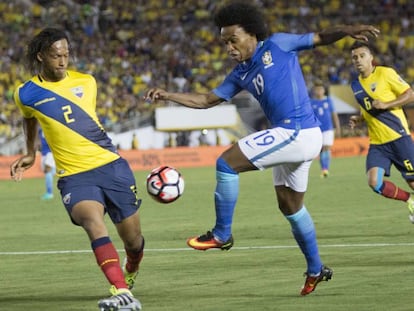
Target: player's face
55	61
239	44
362	60
319	91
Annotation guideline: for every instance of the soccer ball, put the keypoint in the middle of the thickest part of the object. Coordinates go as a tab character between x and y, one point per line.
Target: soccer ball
165	184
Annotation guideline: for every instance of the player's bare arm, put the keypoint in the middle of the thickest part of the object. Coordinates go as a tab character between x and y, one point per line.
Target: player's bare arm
191	100
333	34
26	161
405	98
337	124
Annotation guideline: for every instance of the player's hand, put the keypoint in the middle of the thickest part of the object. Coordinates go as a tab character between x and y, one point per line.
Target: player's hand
363	32
18	167
379	104
353	121
155	94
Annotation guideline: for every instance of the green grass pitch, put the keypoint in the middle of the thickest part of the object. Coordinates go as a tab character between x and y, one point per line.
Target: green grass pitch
46	262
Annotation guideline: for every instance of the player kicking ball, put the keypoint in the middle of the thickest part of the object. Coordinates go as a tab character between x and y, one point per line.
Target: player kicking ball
63	103
268	68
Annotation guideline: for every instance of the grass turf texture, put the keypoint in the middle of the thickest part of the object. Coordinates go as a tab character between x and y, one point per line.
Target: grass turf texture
46	262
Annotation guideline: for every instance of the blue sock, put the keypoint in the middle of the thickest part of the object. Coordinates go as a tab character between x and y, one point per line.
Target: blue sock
227	191
305	235
325	159
49	182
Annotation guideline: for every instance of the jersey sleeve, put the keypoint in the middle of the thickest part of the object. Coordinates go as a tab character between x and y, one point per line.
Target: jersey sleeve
228	88
27	113
331	104
397	84
293	42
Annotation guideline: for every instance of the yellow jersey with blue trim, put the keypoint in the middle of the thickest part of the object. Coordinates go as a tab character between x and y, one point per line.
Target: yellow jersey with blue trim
66	111
383	84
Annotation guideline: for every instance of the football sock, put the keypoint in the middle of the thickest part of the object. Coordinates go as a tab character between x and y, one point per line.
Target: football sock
325	159
304	233
108	260
134	258
225	196
49	182
390	190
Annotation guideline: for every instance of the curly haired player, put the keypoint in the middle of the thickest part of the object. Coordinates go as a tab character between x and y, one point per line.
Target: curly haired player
267	67
93	178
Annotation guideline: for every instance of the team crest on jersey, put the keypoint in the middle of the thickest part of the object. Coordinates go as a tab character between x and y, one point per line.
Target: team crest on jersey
373	87
267	59
77	91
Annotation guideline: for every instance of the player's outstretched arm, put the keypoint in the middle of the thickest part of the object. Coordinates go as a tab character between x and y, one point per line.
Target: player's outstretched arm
26	161
191	100
333	34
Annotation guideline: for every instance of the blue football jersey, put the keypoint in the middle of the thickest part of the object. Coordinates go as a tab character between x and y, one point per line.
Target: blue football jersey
44	147
324	109
274	77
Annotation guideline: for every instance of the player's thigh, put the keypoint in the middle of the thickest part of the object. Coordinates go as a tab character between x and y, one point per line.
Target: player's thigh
276	146
78	188
237	160
120	191
90	215
378	156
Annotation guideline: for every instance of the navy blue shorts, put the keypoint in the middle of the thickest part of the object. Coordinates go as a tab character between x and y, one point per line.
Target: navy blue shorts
113	185
399	152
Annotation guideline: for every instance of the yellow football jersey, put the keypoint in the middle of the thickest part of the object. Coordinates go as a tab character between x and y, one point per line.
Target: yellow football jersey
66	113
382	84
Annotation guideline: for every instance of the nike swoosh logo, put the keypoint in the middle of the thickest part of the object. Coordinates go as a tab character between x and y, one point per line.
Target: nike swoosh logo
244	76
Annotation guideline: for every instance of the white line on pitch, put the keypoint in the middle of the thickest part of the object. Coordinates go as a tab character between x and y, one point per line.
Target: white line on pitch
234	248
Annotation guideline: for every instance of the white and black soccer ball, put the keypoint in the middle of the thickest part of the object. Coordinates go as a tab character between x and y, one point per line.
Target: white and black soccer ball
165	184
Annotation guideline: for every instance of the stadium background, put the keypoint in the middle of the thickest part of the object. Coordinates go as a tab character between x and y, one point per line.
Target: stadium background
130	46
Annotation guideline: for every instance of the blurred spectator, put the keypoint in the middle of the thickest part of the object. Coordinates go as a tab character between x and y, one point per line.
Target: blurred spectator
121	44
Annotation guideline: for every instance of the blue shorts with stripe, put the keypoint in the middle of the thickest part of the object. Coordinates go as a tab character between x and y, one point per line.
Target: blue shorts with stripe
113	185
399	152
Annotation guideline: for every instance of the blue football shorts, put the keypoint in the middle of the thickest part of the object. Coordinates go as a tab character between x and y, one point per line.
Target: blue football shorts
399	152
113	185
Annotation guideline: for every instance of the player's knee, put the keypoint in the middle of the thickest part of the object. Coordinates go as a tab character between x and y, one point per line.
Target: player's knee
376	180
135	243
411	184
224	167
375	185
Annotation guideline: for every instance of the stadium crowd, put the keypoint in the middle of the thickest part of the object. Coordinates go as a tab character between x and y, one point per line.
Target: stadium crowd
128	45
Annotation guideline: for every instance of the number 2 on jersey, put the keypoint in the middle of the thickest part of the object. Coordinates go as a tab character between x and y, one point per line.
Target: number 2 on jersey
67	111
